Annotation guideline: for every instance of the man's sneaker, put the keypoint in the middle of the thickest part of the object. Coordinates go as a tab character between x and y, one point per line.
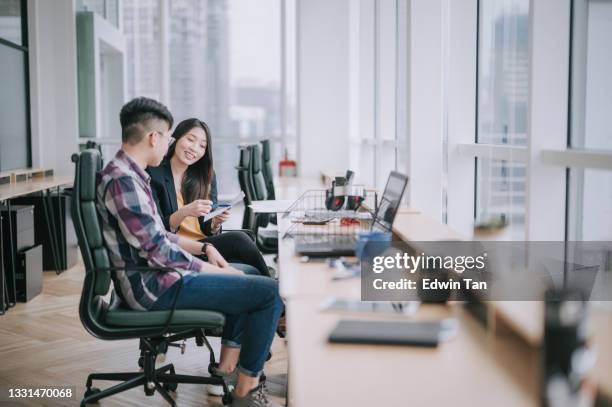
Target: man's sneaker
258	397
229	378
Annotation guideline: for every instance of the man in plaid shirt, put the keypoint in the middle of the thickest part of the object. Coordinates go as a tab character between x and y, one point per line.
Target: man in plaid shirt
135	236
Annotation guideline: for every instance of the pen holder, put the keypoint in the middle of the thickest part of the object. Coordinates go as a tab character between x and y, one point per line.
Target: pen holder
371	244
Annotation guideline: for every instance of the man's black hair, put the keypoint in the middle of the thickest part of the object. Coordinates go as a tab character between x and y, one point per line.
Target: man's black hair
136	114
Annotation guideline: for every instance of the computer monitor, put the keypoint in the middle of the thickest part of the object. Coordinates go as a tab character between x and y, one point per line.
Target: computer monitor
390	202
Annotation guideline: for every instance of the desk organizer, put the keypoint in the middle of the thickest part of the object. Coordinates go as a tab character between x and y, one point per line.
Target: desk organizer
310	216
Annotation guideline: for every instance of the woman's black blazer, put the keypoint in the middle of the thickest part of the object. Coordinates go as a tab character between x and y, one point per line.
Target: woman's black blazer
164	193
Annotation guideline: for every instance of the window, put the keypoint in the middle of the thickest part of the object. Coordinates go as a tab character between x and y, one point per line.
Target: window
378	37
222	61
590	190
591	80
502	106
500	188
14	99
107	9
503	80
141	26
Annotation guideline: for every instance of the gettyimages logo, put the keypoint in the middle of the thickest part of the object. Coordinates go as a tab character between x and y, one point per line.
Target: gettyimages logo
479	270
411	264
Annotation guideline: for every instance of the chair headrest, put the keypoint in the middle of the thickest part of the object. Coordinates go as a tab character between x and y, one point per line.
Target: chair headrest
90	163
255	158
265	150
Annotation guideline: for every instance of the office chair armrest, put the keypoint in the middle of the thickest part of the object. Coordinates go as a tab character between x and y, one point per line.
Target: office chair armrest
247	231
154	268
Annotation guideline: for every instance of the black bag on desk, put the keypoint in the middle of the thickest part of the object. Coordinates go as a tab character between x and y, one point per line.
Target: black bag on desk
63	234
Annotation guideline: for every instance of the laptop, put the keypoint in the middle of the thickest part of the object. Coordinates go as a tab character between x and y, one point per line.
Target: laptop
344	245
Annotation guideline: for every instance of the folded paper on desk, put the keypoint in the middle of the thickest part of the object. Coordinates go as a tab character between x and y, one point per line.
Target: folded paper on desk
275	206
413	333
225	206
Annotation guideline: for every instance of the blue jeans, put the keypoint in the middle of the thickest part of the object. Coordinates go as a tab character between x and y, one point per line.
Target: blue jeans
251	304
246	268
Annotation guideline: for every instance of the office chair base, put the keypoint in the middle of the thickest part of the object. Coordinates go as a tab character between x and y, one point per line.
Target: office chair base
153	380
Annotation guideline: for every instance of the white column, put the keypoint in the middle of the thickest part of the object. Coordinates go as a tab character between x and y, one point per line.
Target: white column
549	73
425	109
323	85
53	83
462	32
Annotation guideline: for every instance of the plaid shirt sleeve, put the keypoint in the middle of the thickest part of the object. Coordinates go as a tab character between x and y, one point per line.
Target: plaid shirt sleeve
142	229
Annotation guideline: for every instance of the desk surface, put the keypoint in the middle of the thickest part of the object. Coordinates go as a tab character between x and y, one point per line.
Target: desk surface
322	374
9	191
453	374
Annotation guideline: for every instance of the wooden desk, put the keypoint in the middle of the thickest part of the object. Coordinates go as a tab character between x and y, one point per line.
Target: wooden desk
418	227
466	371
14	190
9	191
497	365
307	280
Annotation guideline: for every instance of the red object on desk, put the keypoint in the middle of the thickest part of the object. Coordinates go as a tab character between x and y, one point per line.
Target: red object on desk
287	167
348	221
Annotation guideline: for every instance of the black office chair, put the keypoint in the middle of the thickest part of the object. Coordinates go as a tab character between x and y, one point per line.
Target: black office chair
155	329
266	168
267	239
268	175
248	218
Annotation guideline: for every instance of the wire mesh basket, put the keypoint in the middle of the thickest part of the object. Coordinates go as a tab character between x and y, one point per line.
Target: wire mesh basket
310	215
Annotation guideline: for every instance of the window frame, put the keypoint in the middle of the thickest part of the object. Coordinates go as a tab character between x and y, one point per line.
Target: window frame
24	48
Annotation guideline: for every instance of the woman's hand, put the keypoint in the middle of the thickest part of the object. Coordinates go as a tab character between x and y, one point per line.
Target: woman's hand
215	258
219	219
197	208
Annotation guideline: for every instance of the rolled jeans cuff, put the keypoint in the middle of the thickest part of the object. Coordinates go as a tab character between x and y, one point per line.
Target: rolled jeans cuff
248	372
229	343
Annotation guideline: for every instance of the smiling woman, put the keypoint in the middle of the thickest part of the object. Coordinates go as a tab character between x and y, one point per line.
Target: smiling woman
184	187
192	149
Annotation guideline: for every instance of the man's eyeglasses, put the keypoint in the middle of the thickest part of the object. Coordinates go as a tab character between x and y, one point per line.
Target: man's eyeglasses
170	139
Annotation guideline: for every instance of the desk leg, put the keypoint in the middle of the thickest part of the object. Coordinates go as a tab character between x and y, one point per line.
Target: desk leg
49	215
60	224
288	379
3	290
10	274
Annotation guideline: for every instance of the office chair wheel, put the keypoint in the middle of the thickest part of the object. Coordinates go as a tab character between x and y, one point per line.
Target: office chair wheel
170	386
91	391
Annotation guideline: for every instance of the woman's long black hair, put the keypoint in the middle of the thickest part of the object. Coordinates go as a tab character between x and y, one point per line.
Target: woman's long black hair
198	176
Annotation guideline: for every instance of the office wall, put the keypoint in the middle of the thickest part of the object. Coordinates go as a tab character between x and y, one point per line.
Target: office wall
323	85
53	83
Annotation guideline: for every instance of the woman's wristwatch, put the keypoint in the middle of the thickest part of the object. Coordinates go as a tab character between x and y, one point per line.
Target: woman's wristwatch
204	247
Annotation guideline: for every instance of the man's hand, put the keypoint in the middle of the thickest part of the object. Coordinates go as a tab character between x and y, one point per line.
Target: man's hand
232	270
214	257
209	268
197	208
